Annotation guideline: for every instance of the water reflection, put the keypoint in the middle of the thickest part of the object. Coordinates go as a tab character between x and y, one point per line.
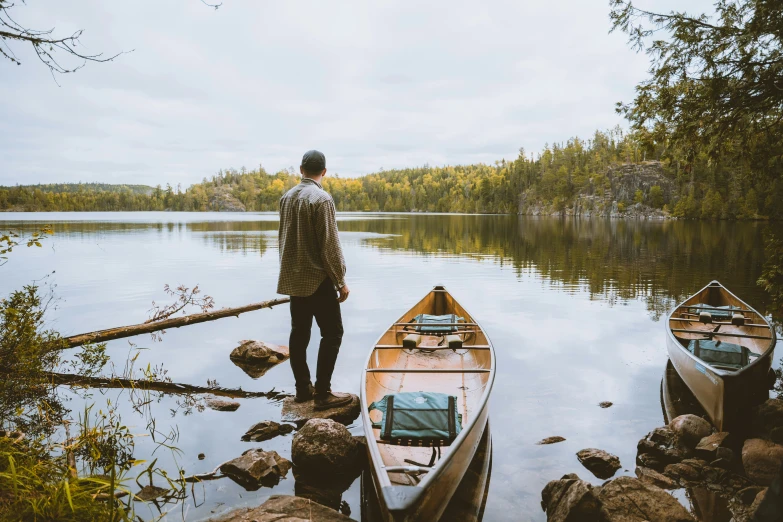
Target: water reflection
660	262
676	400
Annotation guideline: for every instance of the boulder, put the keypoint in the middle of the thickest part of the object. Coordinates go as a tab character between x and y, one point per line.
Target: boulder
662	435
300	412
627	499
658	449
259	352
255	358
689	429
762	460
708	446
286	508
768	416
569	499
256	468
218	404
551	440
266	430
324	451
600	463
650	476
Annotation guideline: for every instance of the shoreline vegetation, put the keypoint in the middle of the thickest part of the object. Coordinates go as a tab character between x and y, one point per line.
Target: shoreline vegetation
611	175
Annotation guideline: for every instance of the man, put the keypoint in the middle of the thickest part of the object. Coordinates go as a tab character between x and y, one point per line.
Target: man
312	272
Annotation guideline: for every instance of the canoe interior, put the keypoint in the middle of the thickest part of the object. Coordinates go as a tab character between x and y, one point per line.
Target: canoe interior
467	387
716	295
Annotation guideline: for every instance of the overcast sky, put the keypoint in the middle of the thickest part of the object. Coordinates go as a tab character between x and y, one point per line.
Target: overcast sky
371	84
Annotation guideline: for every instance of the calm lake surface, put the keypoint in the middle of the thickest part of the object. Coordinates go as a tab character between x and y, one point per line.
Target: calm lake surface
573	308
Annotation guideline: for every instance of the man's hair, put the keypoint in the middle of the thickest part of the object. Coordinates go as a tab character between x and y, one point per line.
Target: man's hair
312	171
313	162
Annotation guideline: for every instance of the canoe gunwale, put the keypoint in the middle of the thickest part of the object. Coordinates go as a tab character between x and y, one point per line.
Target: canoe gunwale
724	374
378	466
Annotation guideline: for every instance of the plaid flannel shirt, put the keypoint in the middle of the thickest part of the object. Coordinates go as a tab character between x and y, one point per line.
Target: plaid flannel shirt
309	248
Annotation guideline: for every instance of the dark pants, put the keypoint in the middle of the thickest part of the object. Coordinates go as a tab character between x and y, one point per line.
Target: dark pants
322	305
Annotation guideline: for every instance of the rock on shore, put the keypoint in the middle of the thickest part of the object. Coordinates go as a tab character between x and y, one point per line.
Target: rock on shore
256	468
266	430
569	499
600	463
690	429
762	460
324	451
300	412
624	499
255	358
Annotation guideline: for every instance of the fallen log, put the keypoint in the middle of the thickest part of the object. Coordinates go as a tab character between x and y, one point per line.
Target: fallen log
176	322
161	386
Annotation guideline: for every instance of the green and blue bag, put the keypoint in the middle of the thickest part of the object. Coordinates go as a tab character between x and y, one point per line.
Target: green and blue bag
418	418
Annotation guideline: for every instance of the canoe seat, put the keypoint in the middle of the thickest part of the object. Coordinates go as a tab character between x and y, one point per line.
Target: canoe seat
721	354
717	312
430	323
418	419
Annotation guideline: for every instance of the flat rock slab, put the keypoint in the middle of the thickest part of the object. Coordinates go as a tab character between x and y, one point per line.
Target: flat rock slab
708	446
550	440
650	476
286	508
266	430
301	412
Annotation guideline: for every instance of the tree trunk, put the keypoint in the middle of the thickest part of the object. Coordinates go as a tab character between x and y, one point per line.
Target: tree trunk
176	322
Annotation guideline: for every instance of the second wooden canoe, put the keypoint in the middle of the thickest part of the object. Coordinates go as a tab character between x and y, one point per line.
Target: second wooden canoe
412	493
726	393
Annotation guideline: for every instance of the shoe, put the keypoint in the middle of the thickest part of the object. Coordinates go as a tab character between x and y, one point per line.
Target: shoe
325	401
305	395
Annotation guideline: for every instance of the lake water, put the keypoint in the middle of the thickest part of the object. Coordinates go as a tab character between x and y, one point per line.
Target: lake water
573	308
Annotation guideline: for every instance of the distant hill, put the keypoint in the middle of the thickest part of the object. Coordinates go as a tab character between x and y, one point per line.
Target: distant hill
70	188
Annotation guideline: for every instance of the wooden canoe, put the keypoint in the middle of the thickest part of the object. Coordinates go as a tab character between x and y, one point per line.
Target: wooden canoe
726	394
417	493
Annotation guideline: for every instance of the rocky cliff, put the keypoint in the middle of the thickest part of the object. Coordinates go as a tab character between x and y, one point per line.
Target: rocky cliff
617	198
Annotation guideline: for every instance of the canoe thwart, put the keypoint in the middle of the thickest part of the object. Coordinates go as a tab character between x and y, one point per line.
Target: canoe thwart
434	324
427	370
432	348
684	320
727	334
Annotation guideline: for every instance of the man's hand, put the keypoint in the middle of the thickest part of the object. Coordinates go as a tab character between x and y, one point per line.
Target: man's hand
344	291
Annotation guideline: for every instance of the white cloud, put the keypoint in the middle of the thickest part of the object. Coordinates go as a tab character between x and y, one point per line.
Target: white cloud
372	84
